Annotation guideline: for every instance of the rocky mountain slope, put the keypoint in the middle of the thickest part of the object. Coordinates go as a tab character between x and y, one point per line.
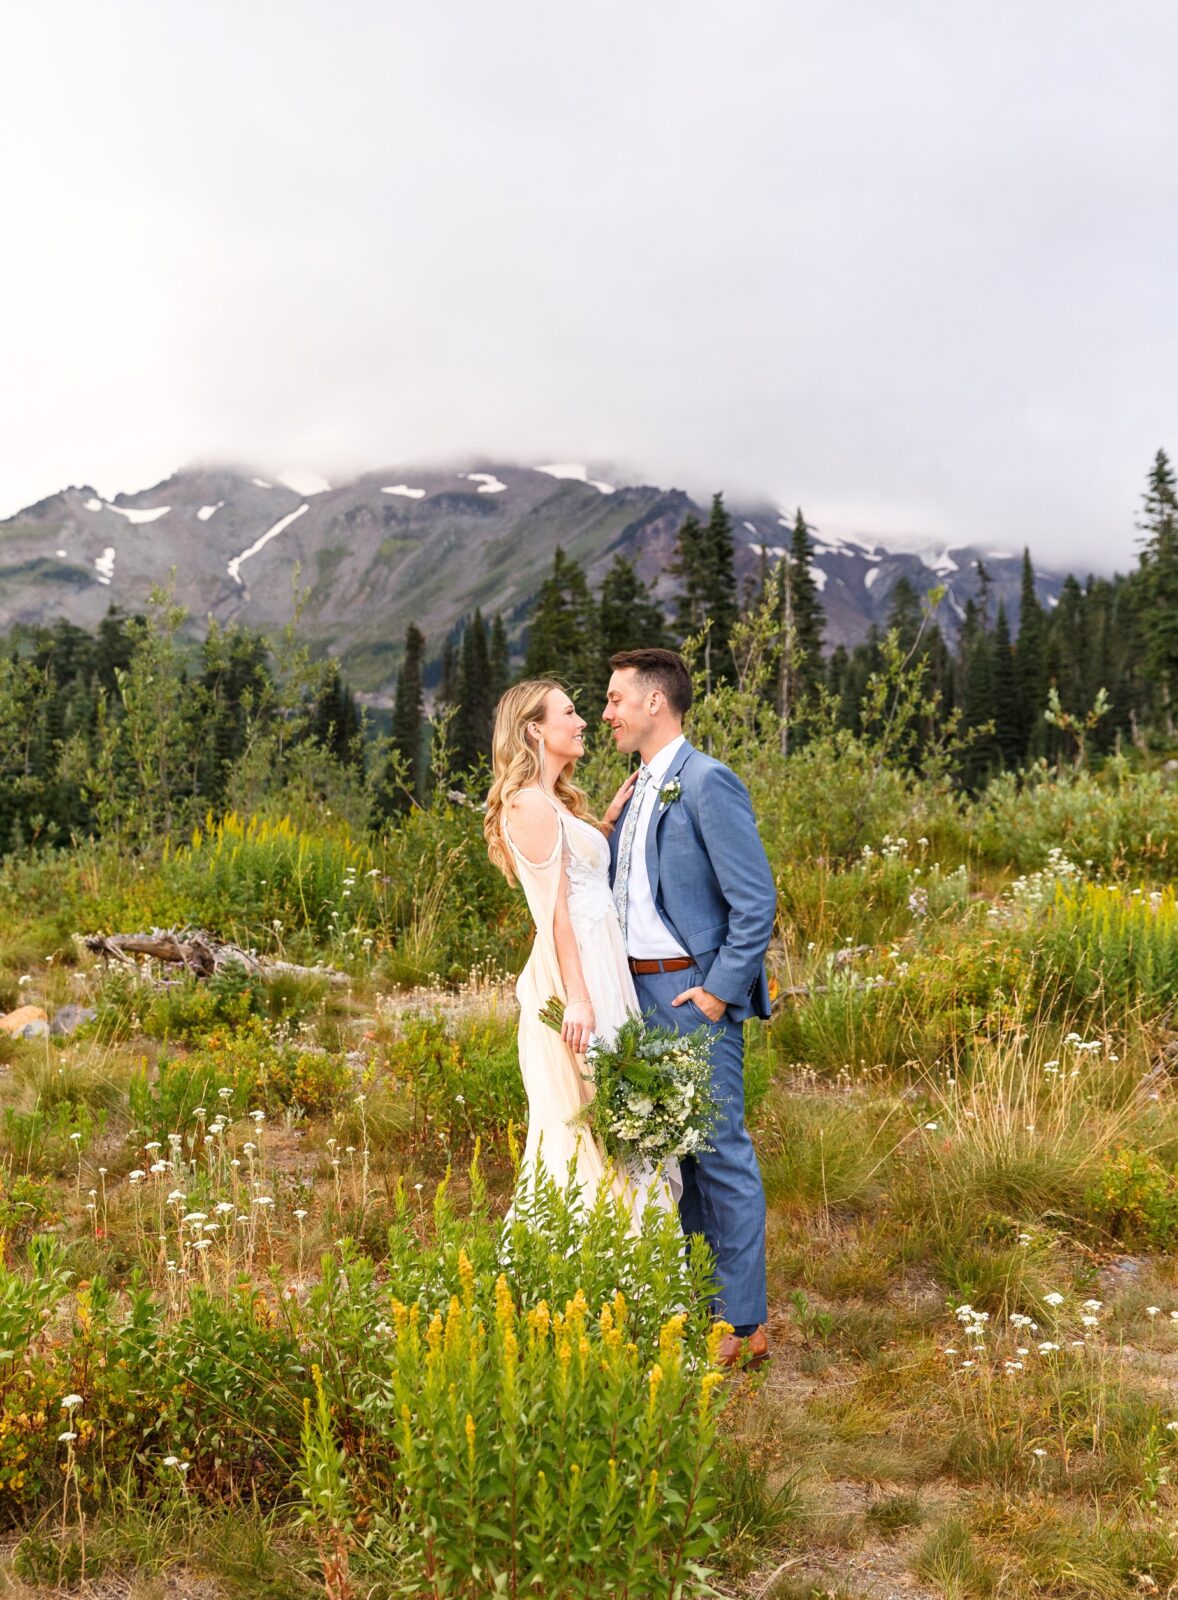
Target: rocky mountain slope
415	544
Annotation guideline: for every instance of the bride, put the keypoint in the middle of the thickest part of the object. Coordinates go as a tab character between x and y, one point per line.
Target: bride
539	830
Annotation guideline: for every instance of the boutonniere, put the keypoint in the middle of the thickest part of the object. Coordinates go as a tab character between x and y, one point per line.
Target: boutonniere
669	793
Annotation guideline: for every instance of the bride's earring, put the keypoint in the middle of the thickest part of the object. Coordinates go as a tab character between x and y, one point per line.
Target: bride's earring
540	747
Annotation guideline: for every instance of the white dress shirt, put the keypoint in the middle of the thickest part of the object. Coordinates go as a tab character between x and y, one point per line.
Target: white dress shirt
647	936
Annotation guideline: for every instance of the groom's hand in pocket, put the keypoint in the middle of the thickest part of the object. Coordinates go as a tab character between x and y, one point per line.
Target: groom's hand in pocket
711	1005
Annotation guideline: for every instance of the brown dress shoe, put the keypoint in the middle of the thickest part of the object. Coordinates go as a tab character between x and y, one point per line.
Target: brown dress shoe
743	1355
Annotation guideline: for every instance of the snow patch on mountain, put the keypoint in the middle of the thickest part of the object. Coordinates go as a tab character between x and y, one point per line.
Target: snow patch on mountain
233	567
309	483
206	512
153	514
940	562
403	488
579	473
487	481
261	483
819	576
870	576
104	565
61	554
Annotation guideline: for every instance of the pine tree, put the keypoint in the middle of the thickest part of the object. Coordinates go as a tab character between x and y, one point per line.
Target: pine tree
500	658
472	724
904	613
1030	665
720	592
1067	648
982	756
407	731
807	613
1009	731
1157	584
688	565
335	720
238	684
629	617
836	671
562	635
448	681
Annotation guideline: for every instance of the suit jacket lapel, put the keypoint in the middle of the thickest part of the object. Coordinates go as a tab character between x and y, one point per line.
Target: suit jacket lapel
652	833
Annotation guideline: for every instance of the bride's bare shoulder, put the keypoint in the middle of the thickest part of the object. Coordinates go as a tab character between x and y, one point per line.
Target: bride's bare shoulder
534	825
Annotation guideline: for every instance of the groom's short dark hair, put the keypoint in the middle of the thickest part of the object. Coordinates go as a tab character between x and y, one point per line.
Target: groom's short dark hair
661	669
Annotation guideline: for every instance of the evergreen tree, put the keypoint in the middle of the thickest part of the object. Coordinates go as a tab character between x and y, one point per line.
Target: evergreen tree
500	658
1157	583
407	731
1067	644
982	756
836	671
1009	731
562	635
335	720
238	687
806	609
862	661
904	614
720	593
629	618
448	690
688	566
472	724
1030	665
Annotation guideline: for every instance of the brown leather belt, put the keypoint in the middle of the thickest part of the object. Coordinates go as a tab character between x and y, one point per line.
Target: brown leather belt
672	964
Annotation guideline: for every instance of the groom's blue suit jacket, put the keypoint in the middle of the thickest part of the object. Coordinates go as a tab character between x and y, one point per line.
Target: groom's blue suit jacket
711	880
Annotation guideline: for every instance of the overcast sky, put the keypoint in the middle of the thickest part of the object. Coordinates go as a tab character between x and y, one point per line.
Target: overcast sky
910	265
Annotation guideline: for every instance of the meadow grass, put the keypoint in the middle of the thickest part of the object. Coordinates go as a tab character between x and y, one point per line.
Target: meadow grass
252	1225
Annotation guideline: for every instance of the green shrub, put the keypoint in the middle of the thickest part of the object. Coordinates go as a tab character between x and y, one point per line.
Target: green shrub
1115	821
257	1067
1106	949
26	1204
1135	1199
48	1138
461	1079
257	879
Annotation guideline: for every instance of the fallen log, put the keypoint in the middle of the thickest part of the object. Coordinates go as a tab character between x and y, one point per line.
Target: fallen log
199	953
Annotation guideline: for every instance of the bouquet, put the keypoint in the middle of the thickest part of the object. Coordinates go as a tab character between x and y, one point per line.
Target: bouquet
654	1096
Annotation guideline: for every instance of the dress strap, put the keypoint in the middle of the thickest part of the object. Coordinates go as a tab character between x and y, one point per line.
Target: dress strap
558	843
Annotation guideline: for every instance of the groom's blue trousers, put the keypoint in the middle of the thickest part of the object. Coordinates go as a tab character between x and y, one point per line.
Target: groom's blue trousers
723	1197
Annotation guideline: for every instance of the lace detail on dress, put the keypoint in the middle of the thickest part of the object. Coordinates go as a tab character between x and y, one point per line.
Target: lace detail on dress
586	864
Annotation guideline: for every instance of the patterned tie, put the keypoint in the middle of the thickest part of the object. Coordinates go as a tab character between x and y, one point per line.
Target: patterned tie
626	846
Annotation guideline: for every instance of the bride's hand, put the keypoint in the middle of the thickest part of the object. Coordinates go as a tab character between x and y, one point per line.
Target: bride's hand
577	1028
619	800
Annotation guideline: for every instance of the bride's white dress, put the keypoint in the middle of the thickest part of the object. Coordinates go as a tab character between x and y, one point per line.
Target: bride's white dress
552	1073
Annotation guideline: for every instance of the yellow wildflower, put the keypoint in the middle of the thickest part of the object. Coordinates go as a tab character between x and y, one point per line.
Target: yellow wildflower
466	1276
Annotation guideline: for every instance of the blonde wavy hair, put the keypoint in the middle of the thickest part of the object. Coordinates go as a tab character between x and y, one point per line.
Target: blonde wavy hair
515	762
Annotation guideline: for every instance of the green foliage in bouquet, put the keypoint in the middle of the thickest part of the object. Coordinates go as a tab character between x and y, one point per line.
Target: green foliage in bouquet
654	1098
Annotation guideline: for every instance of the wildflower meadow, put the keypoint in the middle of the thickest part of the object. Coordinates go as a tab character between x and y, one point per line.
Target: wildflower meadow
267	1328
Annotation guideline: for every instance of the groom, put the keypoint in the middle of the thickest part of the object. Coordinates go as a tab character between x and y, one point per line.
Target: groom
696	900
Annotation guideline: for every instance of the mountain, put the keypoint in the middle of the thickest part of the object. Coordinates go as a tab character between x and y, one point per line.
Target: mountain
426	545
